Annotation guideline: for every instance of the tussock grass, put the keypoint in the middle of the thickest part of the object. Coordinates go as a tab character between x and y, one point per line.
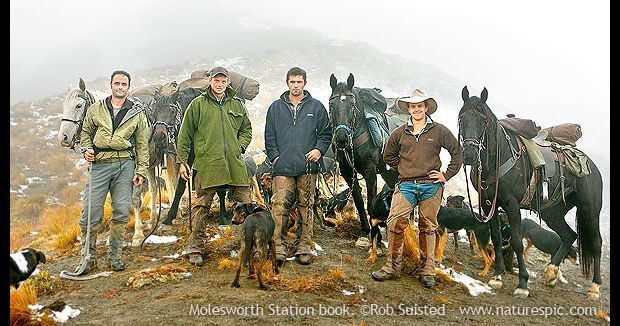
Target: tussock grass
20	313
227	264
161	274
18	236
333	281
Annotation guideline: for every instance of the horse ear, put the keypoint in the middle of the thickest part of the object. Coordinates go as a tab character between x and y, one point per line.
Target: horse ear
82	84
465	94
332	81
350	81
484	95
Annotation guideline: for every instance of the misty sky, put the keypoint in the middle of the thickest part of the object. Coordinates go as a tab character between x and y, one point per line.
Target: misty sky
546	60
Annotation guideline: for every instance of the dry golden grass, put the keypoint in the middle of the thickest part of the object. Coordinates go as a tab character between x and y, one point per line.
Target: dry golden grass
161	274
333	281
60	225
20	313
18	236
227	264
28	207
411	245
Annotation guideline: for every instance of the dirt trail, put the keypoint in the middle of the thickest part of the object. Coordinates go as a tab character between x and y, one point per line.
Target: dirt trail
207	292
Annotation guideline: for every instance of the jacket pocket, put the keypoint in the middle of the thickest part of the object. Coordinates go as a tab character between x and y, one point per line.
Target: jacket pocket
235	119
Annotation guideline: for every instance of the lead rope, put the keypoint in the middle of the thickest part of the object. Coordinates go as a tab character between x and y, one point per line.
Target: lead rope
75	276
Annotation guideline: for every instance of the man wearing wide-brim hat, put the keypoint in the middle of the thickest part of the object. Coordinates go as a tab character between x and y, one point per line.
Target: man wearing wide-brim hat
413	149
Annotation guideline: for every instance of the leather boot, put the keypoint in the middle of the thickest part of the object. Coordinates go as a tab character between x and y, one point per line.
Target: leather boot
195	245
92	250
115	245
391	268
427	245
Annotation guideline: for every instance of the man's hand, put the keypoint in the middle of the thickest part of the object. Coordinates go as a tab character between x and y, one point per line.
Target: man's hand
137	180
313	155
437	175
89	155
185	171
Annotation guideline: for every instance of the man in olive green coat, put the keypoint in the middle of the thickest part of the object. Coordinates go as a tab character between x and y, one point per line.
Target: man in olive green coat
216	127
115	136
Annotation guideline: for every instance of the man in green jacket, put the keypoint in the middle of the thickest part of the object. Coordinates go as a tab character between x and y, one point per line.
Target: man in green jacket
115	136
216	127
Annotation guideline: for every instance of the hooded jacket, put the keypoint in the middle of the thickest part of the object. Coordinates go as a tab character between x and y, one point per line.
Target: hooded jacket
218	132
128	140
290	134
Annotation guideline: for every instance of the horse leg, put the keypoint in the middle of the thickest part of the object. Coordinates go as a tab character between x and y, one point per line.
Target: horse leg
154	190
221	193
516	242
171	176
361	211
138	228
174	206
496	238
554	217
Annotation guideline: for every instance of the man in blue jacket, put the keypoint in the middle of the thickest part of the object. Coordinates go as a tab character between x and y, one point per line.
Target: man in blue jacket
297	135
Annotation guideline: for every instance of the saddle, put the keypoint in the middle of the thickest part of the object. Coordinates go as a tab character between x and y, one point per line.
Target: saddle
373	106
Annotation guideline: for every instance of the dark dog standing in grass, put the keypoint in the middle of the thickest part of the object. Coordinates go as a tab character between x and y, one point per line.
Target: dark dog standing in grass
256	237
455	217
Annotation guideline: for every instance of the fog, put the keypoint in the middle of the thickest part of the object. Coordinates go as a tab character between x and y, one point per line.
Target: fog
546	60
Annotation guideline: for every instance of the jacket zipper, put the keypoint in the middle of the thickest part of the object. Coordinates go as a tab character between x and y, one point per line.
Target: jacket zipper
219	104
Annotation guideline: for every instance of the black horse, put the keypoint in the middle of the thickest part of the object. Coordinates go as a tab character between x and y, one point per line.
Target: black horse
355	156
505	173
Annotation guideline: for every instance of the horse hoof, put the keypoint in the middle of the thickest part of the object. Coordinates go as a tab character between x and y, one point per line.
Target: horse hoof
136	242
496	283
593	294
551	274
362	243
521	293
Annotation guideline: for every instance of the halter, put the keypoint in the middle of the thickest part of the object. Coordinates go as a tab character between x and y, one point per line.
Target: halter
348	128
171	129
350	132
88	101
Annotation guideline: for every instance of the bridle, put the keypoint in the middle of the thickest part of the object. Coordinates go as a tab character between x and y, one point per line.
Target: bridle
171	129
350	133
478	143
88	101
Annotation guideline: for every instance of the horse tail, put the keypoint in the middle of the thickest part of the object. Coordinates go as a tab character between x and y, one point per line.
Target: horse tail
587	223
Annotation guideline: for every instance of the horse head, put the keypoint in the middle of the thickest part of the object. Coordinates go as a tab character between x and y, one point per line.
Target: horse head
165	111
476	122
73	112
168	114
342	111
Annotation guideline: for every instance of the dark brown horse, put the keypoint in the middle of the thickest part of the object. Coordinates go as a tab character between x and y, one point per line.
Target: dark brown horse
501	172
355	156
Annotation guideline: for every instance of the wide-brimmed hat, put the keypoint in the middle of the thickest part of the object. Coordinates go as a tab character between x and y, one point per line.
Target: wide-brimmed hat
418	96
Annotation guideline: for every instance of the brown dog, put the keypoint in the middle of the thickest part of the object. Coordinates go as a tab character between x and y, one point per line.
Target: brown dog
256	237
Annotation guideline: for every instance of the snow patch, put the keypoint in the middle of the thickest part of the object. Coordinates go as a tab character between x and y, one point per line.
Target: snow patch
161	239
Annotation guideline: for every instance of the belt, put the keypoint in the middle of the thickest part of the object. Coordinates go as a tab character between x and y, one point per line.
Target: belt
420	181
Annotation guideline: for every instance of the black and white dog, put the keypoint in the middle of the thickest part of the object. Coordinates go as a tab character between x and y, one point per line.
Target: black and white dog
23	263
